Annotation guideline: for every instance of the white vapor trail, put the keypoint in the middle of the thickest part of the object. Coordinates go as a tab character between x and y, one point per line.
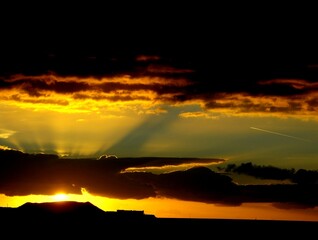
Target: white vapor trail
280	134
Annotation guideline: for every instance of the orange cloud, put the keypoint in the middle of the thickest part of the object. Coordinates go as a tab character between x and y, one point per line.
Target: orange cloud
52	79
146	58
144	94
305	105
74	93
198	115
295	83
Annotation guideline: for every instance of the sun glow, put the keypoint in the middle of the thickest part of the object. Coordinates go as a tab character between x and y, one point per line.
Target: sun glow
60	197
165	207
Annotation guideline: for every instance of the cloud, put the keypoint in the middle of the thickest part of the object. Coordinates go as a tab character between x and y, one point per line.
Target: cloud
243	104
72	93
196	184
301	176
289	206
281	193
152	79
146	58
6	133
23	174
203	185
38	100
103	157
263	172
167	164
198	115
297	84
146	91
5	148
165	161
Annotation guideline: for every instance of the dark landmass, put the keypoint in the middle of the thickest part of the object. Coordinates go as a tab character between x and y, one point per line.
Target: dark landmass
85	219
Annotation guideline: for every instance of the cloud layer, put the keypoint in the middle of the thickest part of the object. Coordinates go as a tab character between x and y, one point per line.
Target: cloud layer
166	85
265	82
23	174
301	176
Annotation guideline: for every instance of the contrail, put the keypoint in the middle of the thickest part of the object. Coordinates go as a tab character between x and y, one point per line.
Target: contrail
280	134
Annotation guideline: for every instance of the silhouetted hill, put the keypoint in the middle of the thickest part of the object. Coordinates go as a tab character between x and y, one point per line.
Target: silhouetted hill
61	208
70	213
77	218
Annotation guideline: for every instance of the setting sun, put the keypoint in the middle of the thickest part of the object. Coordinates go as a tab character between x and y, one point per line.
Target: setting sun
60	197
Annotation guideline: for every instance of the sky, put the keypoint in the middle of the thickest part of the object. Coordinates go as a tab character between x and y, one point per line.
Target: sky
151	117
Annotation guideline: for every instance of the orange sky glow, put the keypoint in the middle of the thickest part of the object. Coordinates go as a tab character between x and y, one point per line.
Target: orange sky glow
172	208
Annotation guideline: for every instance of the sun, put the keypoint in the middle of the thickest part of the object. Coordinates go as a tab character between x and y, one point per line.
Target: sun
60	197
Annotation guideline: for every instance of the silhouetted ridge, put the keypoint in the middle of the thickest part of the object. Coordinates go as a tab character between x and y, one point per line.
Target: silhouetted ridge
61	207
71	213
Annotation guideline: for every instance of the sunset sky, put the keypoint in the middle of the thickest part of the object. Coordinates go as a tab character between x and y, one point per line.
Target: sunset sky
223	98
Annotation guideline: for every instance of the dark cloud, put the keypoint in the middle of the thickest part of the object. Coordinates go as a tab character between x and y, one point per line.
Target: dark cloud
289	206
33	85
305	195
217	63
263	172
237	78
170	85
18	98
147	58
301	176
197	184
235	51
203	185
22	174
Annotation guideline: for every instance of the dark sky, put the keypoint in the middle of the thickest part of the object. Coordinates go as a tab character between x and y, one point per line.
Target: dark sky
224	44
225	36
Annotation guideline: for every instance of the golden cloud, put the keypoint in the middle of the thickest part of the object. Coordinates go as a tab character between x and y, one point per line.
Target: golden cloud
242	104
198	115
6	133
146	95
69	94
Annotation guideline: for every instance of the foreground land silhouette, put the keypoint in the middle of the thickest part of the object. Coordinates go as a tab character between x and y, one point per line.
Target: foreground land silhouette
78	219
